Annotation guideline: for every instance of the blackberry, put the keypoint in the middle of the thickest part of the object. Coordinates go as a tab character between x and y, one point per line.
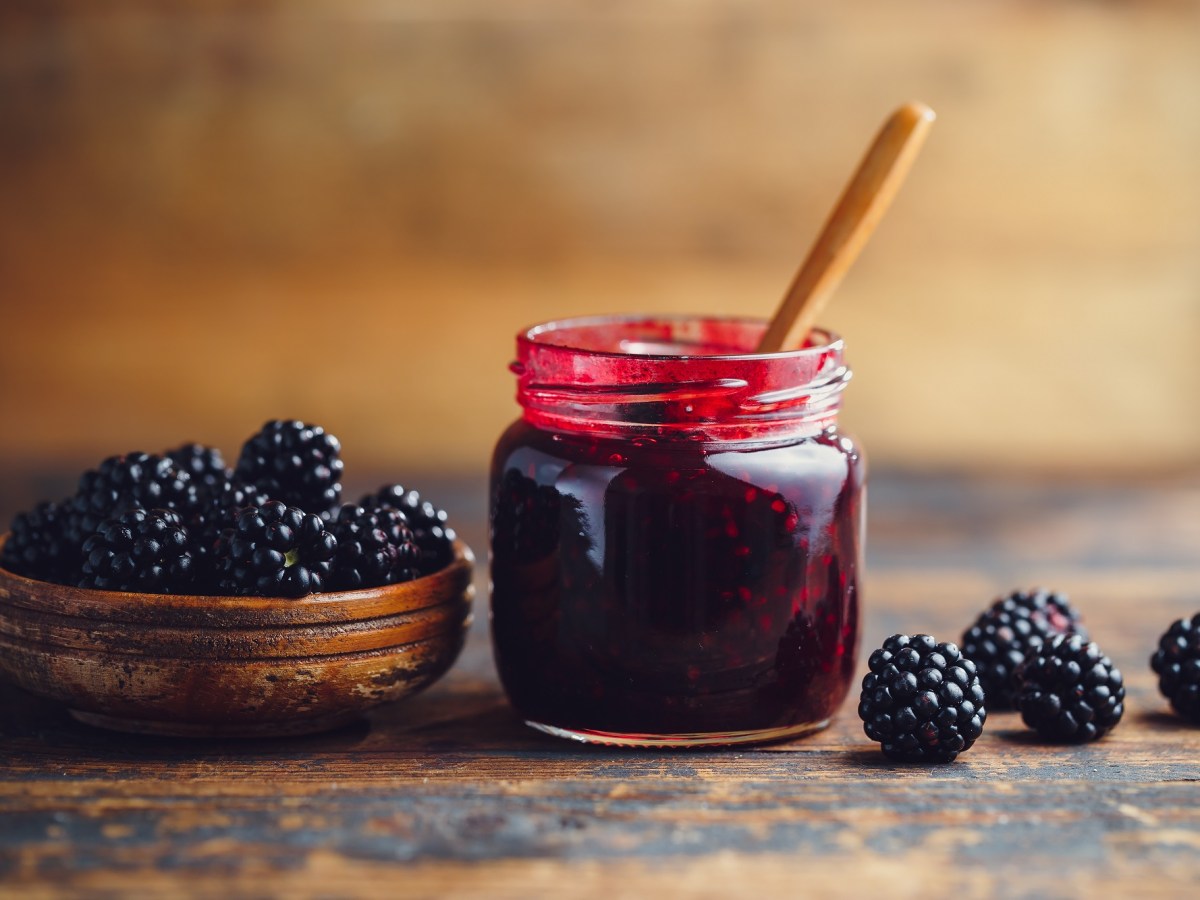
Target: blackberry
429	524
1010	630
1070	691
121	483
922	700
139	550
1177	664
374	547
274	550
37	546
204	464
295	463
216	511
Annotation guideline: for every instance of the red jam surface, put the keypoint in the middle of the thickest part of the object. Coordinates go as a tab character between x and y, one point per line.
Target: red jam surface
675	532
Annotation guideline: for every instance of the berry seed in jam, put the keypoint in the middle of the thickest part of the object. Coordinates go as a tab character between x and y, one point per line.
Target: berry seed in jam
675	535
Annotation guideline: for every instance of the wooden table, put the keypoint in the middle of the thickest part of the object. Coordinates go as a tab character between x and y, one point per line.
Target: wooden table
449	795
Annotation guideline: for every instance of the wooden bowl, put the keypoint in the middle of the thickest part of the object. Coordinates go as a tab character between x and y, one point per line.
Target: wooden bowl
231	666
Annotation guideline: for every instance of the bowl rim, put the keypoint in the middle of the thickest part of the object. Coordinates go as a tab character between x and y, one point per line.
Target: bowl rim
447	583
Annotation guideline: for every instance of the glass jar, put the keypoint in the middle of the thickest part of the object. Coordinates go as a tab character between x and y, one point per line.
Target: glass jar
676	533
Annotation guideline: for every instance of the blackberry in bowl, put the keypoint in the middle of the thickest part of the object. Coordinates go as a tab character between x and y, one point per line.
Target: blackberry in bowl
294	462
429	524
274	550
143	550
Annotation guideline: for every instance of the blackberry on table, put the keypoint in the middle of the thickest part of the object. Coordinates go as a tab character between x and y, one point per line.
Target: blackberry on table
429	524
295	463
37	546
374	547
1070	691
921	700
274	550
1012	628
140	550
1177	664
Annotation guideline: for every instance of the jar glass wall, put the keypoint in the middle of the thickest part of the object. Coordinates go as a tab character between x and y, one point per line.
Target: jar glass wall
676	531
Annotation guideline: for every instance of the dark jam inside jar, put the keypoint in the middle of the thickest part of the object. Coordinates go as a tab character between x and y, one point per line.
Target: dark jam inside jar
676	532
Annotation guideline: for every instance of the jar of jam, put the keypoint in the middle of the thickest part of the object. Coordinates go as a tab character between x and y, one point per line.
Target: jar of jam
676	533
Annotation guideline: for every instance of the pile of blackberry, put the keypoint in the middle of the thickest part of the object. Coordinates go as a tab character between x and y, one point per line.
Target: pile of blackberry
925	701
271	525
1034	655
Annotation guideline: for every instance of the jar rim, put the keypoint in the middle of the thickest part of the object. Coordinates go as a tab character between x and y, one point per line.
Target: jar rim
537	336
610	374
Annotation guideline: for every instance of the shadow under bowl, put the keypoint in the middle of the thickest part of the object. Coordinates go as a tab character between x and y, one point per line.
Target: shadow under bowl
176	664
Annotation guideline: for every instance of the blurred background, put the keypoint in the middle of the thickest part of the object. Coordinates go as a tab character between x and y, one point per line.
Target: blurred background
212	214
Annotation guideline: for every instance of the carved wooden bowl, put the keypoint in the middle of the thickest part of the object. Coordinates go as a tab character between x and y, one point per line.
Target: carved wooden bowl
231	666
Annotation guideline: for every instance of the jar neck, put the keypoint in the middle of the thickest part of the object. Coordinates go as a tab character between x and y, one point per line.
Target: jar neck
687	378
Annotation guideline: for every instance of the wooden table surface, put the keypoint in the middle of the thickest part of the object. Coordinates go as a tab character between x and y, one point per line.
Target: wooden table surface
448	795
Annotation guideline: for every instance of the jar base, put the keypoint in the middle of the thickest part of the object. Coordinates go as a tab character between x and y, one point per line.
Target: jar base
669	741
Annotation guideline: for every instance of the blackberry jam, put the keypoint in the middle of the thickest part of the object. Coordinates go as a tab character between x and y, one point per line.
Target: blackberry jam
676	533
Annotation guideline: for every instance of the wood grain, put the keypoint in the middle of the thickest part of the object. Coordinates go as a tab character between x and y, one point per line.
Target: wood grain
448	795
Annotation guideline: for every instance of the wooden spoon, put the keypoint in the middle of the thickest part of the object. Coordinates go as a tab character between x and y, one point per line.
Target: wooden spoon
862	204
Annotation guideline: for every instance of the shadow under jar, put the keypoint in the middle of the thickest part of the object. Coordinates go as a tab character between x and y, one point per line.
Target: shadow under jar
676	533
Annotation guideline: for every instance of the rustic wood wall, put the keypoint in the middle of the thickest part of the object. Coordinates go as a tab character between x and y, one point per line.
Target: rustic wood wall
211	214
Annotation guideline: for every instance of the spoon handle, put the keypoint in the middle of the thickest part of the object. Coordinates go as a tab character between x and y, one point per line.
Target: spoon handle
862	204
